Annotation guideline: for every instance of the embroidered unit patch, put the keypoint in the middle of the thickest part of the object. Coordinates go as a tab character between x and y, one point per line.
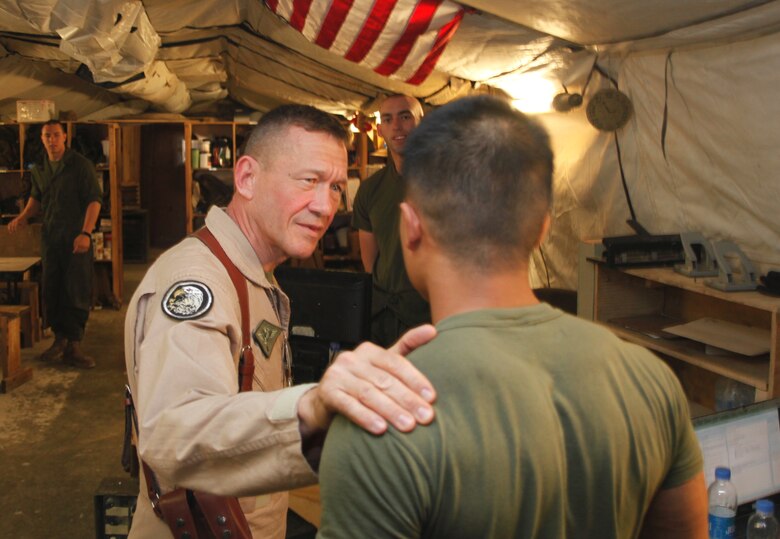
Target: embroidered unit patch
186	300
265	336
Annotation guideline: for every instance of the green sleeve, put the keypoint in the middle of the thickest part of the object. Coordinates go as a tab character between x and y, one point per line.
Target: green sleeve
687	459
372	486
360	209
35	188
92	189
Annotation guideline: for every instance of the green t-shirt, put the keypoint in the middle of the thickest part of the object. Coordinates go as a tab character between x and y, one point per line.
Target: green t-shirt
376	210
546	426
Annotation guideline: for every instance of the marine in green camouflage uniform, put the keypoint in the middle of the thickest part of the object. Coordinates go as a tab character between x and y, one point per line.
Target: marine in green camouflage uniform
66	192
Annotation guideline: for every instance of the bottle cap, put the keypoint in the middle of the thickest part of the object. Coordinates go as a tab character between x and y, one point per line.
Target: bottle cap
765	506
721	472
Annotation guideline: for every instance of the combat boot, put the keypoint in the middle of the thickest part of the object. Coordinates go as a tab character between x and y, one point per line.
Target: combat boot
74	356
56	351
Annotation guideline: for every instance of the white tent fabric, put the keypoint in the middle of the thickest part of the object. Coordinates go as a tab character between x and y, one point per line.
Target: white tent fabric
710	67
719	173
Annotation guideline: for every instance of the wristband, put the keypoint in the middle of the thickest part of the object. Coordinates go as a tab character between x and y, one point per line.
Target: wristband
87	234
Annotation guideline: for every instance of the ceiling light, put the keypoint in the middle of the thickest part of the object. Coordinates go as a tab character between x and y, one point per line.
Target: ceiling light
532	93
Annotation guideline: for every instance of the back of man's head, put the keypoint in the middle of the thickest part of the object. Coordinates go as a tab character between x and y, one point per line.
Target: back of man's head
480	174
261	142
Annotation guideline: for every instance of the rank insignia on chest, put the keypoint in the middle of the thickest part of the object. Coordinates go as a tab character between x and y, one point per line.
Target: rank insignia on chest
187	300
265	336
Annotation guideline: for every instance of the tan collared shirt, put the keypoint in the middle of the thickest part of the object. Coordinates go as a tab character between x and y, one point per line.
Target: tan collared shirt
195	430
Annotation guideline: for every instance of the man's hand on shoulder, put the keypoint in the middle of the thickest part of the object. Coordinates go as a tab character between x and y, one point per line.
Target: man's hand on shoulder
372	386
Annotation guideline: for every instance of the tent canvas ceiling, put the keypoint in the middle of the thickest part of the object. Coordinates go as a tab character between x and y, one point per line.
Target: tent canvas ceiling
706	70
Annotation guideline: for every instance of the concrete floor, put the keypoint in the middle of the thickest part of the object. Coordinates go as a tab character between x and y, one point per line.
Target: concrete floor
61	433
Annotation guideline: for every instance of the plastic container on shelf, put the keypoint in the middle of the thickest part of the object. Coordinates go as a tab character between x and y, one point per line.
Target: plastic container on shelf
732	394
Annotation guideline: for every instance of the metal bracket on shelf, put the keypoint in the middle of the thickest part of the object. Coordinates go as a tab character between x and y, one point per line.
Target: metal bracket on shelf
727	280
699	257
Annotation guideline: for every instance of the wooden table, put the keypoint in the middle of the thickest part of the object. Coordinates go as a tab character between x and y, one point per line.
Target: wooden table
14	374
13	270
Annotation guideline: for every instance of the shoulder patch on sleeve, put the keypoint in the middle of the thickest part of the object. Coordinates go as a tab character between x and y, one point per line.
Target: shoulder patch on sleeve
187	300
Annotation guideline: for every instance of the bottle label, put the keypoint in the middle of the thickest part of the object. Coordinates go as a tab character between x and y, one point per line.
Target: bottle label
721	527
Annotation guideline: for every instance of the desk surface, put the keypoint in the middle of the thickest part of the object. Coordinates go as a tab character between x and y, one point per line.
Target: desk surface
21	264
306	502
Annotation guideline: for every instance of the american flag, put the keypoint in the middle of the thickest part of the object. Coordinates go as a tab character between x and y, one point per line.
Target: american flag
402	39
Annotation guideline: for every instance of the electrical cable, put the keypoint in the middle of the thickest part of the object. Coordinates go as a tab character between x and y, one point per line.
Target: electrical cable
633	223
667	69
623	178
590	75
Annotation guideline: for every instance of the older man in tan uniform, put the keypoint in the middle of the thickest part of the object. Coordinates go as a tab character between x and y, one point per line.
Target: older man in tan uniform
183	339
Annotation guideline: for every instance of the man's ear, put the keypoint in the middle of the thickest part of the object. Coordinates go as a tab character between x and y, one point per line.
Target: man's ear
543	232
245	176
380	127
411	227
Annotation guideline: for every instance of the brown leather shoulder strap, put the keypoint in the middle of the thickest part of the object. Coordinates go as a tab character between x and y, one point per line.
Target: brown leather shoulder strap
246	368
174	507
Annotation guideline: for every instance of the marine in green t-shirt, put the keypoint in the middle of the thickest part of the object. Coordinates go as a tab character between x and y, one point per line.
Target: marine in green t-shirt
396	305
546	425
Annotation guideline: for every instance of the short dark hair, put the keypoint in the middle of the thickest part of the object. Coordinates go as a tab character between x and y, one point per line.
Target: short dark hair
480	173
403	96
55	122
303	116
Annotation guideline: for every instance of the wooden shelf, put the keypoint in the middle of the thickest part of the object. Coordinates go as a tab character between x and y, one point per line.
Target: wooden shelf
211	130
654	296
751	371
669	277
107	171
697	410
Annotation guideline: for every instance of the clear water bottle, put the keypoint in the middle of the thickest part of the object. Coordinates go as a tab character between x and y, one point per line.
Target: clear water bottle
762	523
732	394
722	496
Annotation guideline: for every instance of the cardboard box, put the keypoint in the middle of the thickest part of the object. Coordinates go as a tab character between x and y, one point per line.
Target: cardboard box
41	110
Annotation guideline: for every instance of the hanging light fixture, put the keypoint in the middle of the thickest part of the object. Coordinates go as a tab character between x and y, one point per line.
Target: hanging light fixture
565	101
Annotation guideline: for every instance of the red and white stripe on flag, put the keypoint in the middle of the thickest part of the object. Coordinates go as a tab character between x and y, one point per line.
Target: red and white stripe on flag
402	39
